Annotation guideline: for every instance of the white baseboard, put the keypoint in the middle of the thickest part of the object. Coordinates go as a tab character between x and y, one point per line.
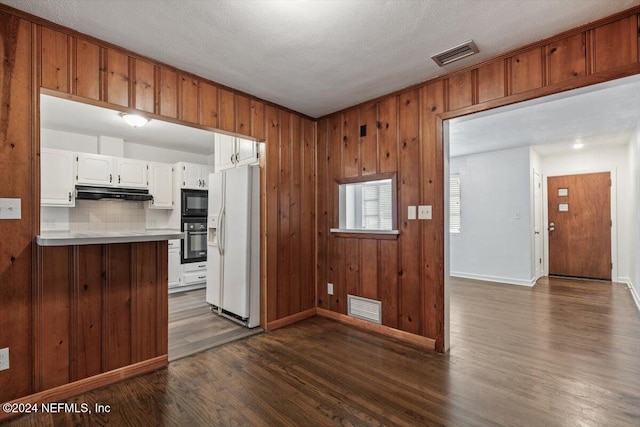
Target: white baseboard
632	289
498	279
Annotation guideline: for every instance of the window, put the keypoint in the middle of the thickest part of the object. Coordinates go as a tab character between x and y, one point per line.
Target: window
454	203
367	205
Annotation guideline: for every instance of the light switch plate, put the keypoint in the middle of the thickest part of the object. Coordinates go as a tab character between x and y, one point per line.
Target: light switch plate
411	212
10	209
424	212
330	288
4	358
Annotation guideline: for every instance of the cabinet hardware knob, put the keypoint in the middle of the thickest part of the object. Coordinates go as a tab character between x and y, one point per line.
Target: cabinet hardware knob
69	195
110	178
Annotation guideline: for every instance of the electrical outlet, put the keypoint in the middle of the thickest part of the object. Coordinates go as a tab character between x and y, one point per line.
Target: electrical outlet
330	288
4	358
424	212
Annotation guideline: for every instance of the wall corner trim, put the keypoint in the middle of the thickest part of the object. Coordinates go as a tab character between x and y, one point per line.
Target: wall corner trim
289	320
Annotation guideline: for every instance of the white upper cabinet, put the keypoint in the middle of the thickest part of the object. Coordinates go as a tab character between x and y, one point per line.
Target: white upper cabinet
94	169
246	151
56	174
161	185
231	151
225	147
131	173
194	176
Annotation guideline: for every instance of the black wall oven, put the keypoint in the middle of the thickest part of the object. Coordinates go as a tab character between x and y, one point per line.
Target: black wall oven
194	246
194	225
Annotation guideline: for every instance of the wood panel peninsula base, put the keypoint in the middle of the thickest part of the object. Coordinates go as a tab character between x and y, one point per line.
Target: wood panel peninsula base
100	316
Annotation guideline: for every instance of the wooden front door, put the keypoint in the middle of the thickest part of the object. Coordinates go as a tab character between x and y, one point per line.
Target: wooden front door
580	225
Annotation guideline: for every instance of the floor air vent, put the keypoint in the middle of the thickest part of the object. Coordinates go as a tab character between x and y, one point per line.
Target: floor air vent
458	52
365	309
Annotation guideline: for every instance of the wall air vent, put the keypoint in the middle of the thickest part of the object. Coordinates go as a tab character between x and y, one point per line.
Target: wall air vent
458	52
364	308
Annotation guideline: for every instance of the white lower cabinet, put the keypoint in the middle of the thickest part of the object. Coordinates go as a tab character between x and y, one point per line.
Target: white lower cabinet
175	270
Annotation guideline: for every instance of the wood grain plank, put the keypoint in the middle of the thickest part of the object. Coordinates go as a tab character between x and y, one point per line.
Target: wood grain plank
162	299
566	59
188	99
226	111
117	78
295	161
322	216
388	134
17	177
86	80
117	327
144	85
334	172
208	114
491	81
87	319
54	60
308	216
351	256
460	91
616	44
144	318
368	143
526	71
350	146
168	93
388	282
272	174
433	194
369	269
257	120
284	212
55	335
243	115
409	194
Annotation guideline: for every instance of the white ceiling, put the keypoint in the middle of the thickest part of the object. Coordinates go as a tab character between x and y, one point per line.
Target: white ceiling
318	56
69	116
599	116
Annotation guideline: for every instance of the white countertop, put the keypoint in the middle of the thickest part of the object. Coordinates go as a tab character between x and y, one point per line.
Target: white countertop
68	238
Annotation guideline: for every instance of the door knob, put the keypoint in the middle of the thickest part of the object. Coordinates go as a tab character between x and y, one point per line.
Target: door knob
552	228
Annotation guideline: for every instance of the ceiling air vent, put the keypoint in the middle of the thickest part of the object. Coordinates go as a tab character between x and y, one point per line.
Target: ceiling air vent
458	52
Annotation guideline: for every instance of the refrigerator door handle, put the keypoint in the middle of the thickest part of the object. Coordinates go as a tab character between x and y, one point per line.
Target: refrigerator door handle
220	236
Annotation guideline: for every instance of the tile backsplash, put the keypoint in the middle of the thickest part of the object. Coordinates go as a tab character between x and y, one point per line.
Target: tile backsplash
107	215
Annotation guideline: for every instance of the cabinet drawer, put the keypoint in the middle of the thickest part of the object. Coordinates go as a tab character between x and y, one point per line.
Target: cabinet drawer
194	277
174	244
194	267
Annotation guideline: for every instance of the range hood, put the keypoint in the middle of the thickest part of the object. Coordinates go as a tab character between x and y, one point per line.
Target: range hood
96	193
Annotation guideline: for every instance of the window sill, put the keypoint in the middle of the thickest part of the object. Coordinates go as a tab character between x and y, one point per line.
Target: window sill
365	234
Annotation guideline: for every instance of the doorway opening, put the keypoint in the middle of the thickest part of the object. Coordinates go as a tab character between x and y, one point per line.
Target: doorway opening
503	161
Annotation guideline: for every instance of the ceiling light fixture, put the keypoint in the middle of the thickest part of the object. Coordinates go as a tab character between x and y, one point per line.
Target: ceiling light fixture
578	145
134	120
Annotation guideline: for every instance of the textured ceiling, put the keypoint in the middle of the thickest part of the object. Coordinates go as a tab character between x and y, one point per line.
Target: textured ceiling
599	116
318	56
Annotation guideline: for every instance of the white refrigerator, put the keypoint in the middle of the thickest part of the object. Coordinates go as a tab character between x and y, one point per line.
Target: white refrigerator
233	253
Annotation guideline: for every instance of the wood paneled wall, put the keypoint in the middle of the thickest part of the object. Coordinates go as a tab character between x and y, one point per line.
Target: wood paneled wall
404	135
41	56
98	308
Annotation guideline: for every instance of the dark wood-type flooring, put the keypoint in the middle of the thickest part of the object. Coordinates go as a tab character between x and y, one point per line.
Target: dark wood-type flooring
565	353
194	328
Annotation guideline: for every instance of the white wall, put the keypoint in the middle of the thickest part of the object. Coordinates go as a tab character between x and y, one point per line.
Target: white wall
50	138
496	218
614	159
634	226
163	155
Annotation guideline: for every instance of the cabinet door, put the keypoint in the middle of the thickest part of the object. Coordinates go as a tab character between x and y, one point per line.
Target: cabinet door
204	176
246	151
174	268
161	185
56	178
191	176
94	169
225	147
132	173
